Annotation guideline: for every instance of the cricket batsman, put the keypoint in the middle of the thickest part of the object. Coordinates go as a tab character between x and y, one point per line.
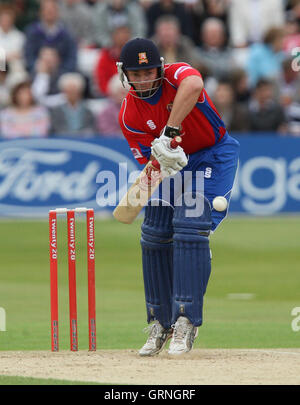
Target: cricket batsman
165	101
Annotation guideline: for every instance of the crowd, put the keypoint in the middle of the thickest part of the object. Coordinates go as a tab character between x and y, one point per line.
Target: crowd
58	74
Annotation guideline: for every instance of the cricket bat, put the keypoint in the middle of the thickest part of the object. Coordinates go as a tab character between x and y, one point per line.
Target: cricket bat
141	190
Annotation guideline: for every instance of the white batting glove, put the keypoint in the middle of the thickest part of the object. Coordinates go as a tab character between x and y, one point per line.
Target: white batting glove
171	160
167	171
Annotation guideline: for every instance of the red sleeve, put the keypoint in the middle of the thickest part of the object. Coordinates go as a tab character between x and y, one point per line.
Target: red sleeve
176	72
139	142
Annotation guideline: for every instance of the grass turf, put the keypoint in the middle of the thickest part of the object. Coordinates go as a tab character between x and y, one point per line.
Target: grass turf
257	256
4	380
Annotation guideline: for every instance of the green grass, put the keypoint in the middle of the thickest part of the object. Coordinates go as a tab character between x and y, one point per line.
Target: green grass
39	381
257	256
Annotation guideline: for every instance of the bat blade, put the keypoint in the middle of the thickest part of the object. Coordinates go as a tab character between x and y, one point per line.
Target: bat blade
138	195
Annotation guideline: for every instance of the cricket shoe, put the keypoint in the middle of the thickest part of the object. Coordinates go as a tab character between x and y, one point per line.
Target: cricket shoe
158	337
183	336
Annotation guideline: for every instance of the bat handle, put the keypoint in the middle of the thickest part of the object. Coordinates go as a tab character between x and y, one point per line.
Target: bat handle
174	143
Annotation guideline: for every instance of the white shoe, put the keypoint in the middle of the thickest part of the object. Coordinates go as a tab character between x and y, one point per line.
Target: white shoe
183	336
158	337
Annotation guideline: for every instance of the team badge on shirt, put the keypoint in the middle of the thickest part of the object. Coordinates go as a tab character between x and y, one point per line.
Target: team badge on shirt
169	106
143	58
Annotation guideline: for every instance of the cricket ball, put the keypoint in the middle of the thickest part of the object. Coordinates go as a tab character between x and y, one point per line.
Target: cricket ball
220	203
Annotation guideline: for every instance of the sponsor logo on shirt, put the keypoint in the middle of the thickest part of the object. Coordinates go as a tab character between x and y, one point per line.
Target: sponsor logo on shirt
208	172
136	153
151	124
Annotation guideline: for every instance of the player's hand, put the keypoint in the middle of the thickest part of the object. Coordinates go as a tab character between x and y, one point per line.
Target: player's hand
171	160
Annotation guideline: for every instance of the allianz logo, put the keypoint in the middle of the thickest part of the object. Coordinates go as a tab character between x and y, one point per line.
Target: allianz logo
32	172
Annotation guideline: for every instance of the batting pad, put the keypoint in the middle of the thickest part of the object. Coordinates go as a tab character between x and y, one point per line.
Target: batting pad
157	256
192	262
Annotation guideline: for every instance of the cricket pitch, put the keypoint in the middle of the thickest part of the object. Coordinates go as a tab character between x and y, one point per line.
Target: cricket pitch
199	367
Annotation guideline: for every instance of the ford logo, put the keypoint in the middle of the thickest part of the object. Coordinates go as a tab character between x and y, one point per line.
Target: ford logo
40	174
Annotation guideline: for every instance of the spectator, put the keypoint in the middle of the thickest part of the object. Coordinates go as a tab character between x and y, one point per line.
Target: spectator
23	118
217	9
107	119
293	116
214	53
203	9
293	119
173	46
46	75
294	9
26	12
76	15
91	3
210	82
146	4
106	65
292	34
11	39
8	80
265	59
50	32
249	20
72	118
4	88
109	15
288	85
45	84
234	115
240	84
265	114
169	7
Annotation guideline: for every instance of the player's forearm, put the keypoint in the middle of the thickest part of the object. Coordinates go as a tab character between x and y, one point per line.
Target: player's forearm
186	97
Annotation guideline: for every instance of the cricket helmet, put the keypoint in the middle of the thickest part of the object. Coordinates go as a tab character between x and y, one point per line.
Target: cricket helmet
138	54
